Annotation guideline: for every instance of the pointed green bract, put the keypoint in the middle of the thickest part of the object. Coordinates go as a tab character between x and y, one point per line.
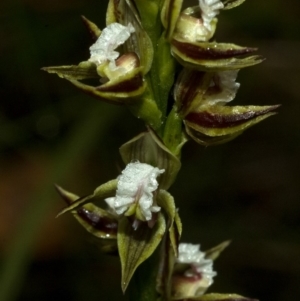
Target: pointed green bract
215	252
148	148
166	201
135	246
94	30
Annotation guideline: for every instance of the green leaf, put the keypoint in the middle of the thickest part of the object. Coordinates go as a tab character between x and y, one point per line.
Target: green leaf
148	148
135	246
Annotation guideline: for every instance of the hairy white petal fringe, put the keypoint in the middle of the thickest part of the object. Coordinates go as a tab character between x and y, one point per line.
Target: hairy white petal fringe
136	185
209	10
111	38
191	254
226	82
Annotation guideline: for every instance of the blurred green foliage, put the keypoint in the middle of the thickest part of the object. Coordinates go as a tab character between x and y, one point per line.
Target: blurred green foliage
247	190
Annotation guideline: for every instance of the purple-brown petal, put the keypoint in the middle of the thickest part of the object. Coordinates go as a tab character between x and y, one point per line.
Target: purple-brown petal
212	119
98	222
209	51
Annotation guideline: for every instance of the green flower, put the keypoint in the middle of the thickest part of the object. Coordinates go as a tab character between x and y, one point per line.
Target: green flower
139	210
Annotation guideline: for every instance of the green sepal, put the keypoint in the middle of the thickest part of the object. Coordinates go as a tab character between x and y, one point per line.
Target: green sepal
98	222
220	297
148	148
215	252
214	56
102	192
205	140
166	201
93	29
219	120
111	12
169	16
124	90
229	4
136	245
83	70
139	42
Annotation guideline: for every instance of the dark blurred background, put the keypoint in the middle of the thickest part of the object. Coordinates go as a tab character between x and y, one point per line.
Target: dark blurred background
247	190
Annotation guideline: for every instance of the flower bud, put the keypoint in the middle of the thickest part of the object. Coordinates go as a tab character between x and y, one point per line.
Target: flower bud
192	274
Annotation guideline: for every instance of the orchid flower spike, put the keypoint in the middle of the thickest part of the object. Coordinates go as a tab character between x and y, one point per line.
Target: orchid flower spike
135	190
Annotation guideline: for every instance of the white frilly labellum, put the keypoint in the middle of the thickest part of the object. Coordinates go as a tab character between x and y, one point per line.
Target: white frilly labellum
227	88
209	10
191	254
136	184
111	38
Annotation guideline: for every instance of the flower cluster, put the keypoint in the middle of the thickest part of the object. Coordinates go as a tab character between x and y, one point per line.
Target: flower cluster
163	63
